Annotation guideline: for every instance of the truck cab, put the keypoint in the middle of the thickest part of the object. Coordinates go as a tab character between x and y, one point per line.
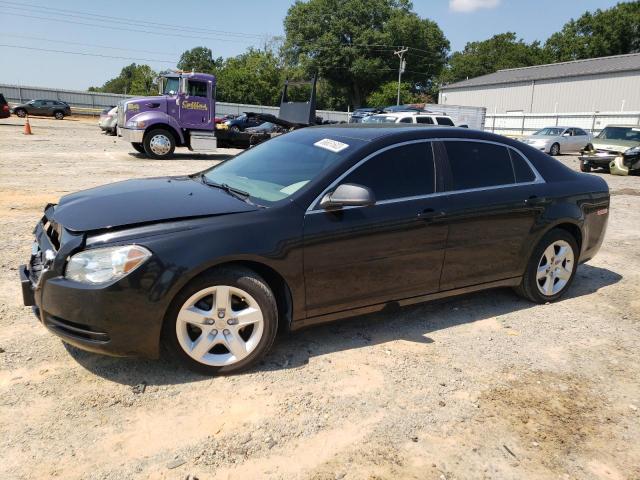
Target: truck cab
183	115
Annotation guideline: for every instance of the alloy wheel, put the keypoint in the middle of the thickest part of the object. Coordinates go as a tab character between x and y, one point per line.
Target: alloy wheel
219	325
555	268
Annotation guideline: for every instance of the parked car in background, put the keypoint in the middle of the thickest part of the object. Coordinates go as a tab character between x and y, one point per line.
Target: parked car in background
241	122
266	127
5	111
556	140
425	118
53	108
319	224
108	122
612	142
360	113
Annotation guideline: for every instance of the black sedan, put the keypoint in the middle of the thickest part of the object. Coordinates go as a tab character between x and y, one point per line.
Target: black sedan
316	225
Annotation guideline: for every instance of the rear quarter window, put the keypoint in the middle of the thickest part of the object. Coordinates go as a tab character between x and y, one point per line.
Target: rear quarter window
521	168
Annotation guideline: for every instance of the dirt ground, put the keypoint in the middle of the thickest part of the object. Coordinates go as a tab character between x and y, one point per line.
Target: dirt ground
486	386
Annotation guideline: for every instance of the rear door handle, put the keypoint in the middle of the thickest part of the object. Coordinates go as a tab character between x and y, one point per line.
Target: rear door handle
430	214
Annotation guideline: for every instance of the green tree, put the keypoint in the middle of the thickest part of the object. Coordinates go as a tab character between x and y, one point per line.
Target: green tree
501	51
133	80
253	77
350	43
613	31
387	94
199	59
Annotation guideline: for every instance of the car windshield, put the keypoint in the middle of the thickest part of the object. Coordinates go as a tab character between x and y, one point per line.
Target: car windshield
379	119
620	133
551	132
276	169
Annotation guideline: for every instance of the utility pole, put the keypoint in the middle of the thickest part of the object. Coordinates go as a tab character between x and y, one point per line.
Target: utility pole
403	64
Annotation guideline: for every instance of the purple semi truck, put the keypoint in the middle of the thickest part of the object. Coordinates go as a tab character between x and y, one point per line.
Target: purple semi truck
182	116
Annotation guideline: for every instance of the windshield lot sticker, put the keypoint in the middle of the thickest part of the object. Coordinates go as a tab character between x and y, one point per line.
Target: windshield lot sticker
331	145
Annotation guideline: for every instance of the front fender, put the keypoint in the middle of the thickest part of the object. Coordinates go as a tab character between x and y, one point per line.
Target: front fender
155	117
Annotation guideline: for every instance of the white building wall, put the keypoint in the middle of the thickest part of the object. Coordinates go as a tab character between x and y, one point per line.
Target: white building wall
605	92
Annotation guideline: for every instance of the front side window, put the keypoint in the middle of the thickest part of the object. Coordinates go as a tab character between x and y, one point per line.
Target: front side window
478	164
275	169
404	171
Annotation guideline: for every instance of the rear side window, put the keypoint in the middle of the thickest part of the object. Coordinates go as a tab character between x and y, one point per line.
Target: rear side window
521	169
445	121
405	171
405	120
426	120
478	164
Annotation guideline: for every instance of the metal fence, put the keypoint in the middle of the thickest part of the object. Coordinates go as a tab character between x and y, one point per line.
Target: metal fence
91	103
518	124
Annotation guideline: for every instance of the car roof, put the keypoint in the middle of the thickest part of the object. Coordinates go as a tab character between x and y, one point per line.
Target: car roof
368	132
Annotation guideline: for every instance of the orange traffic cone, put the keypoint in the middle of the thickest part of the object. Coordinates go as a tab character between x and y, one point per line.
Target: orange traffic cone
27	127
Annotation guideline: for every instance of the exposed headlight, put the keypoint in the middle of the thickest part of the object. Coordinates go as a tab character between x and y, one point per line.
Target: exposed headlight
633	151
102	265
134	124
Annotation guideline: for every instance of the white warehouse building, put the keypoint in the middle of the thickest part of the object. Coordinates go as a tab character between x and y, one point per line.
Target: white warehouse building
606	84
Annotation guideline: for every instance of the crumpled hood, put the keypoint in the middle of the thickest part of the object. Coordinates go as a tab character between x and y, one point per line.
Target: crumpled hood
144	201
613	145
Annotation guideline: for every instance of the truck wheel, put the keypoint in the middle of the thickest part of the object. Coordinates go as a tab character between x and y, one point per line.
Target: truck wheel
21	112
159	143
138	147
222	322
59	115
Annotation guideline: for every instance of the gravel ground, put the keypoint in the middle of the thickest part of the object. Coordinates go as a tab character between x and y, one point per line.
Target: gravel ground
481	386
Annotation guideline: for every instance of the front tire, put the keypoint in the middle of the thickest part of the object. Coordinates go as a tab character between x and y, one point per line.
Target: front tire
551	268
159	144
222	322
554	150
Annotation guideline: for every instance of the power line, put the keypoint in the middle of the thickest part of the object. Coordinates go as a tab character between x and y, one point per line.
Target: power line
98	17
82	44
173	62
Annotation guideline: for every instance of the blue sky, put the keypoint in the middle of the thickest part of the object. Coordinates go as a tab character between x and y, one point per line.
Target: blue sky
31	24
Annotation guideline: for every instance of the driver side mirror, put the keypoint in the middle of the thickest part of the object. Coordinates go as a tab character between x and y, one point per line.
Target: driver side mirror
566	134
348	195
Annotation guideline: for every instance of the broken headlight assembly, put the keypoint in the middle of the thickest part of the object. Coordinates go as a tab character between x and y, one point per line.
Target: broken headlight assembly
104	265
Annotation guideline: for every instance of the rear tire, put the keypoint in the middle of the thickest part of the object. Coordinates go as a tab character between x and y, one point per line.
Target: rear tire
554	150
210	342
138	147
21	112
58	115
159	144
551	268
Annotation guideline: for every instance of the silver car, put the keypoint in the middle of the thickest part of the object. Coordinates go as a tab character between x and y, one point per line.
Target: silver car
109	120
556	140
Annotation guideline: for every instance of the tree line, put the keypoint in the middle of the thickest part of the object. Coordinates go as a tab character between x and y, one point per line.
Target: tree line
350	44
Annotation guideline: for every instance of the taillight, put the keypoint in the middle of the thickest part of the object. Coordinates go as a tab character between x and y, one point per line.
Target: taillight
5	108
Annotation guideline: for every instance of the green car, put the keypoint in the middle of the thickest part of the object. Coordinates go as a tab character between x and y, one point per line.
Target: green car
615	142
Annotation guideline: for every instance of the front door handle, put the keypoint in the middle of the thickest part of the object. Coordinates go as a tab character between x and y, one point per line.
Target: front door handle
430	214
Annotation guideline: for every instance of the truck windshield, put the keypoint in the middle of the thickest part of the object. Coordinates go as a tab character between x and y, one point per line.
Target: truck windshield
171	85
275	169
620	133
